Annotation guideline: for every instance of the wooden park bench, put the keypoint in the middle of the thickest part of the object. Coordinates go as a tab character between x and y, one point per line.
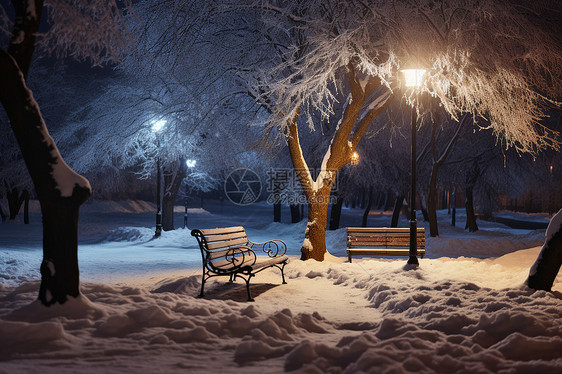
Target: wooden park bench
382	241
228	252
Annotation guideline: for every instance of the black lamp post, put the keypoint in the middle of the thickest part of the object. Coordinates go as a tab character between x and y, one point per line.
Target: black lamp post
413	78
190	164
156	127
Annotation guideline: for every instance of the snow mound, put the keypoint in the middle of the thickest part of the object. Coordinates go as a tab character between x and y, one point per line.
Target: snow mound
129	234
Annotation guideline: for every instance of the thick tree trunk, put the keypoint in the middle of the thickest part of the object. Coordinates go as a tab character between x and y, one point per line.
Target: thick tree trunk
173	176
396	212
295	213
546	268
367	208
60	196
335	213
471	224
340	152
314	246
432	203
59	269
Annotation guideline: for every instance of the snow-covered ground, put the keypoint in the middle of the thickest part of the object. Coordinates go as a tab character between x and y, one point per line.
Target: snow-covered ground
465	309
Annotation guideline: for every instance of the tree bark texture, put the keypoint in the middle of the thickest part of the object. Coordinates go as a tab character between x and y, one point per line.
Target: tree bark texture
173	176
471	224
314	246
60	198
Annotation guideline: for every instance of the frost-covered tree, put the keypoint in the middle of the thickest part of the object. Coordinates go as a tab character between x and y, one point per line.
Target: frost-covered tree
90	31
491	58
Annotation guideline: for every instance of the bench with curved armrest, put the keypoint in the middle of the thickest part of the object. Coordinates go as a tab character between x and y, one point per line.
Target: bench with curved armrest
228	252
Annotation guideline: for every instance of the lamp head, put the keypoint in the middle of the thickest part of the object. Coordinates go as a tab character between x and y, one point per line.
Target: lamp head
190	163
158	125
355	158
413	77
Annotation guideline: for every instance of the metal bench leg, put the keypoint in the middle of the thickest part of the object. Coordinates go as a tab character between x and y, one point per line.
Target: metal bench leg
349	256
202	294
248	287
283	272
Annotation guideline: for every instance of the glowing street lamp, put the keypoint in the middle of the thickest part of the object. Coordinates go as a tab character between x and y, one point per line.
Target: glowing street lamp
190	164
157	126
355	158
413	78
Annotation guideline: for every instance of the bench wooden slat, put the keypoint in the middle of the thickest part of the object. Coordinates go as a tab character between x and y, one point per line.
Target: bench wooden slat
224	230
383	238
390	241
384	251
381	234
382	229
223	237
228	243
383	244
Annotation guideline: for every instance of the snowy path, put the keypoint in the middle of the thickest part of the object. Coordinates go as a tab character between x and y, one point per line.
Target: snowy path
139	313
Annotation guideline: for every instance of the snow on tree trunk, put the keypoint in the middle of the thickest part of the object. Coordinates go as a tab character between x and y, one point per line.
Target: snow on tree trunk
314	245
546	267
59	189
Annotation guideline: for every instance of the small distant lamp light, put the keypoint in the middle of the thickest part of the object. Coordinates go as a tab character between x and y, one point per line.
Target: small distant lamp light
355	158
550	169
413	77
158	125
190	163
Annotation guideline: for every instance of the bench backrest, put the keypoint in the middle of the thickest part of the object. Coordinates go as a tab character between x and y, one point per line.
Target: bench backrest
383	237
216	247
